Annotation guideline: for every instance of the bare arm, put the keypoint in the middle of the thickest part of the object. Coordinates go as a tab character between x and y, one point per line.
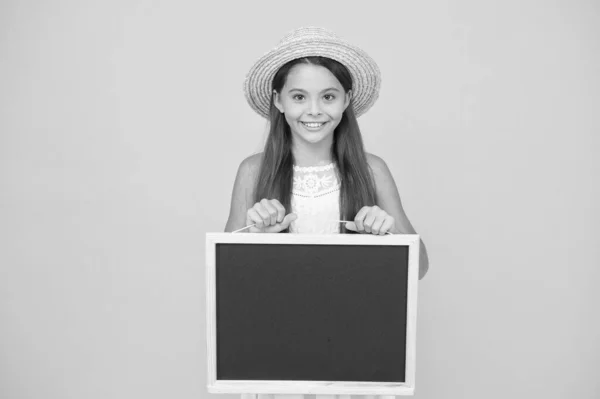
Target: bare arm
242	194
388	199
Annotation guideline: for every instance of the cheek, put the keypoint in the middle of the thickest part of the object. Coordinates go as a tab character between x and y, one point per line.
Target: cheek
289	119
337	112
292	115
292	112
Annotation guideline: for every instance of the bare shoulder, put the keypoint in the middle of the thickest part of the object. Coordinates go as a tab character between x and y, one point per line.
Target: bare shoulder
378	166
249	167
252	162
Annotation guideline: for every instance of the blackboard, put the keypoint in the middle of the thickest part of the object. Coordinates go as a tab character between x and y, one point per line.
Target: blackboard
303	309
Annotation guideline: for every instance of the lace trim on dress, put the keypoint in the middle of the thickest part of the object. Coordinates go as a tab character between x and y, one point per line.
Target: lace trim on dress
310	184
306	169
318	195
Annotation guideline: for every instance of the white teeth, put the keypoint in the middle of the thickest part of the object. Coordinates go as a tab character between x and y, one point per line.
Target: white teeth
312	124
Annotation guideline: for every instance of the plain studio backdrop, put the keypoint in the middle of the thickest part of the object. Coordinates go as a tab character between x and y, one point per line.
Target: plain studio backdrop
122	124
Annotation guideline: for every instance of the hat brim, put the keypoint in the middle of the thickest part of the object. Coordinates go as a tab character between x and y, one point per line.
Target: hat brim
366	77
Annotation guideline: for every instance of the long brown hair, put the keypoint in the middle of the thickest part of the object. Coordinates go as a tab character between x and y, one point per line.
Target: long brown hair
275	178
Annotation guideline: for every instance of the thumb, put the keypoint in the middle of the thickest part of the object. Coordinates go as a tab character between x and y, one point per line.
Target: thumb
351	226
289	218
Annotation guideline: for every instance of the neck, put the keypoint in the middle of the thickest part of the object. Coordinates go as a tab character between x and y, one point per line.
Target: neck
309	154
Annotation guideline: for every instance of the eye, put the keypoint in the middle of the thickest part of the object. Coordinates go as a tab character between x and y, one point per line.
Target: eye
298	97
329	97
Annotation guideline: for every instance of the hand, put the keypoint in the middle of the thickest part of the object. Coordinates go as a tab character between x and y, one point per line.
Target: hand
269	216
372	220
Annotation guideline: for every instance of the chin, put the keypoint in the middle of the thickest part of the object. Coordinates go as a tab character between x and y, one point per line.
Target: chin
314	138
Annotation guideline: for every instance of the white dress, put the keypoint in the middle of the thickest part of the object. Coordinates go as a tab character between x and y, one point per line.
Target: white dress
315	200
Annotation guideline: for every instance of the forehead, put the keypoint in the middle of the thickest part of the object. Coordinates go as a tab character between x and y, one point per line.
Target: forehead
311	78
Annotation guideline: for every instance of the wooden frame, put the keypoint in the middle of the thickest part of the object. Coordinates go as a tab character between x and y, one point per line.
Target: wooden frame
312	387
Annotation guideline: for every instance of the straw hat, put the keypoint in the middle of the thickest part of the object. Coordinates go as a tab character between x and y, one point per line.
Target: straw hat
307	42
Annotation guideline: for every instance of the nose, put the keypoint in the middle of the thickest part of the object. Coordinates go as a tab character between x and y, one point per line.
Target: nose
315	108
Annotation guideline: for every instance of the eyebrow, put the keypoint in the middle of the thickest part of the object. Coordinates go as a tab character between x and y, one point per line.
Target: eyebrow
322	91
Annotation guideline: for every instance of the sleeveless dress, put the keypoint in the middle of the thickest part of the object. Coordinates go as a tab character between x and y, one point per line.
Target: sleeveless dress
315	199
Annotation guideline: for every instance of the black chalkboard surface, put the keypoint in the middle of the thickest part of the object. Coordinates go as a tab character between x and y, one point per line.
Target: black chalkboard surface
323	311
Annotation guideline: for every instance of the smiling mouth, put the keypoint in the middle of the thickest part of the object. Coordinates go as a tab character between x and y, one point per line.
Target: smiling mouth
313	125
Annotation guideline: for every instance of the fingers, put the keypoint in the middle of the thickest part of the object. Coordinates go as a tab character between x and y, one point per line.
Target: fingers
289	218
369	220
279	227
269	210
387	225
372	220
253	217
280	210
351	226
268	216
360	217
378	223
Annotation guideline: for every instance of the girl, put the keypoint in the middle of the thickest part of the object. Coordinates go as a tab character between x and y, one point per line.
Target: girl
314	175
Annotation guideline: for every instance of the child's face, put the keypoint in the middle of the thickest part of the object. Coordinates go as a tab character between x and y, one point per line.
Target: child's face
313	102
